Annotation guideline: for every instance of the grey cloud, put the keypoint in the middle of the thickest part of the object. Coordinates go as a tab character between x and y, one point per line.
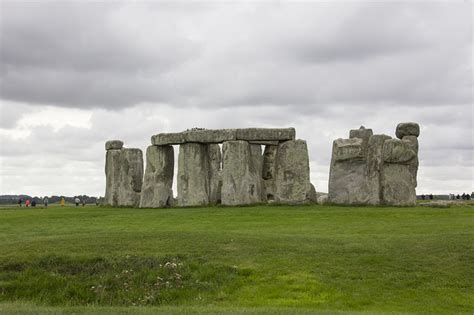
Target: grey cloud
307	55
144	68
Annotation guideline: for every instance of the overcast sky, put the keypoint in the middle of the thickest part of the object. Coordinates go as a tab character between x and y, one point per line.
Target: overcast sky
74	75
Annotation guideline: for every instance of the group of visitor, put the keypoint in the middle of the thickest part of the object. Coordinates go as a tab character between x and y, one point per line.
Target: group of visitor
62	202
464	196
32	202
424	197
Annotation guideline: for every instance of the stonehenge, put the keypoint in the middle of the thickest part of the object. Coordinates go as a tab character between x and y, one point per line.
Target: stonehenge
369	169
239	173
228	167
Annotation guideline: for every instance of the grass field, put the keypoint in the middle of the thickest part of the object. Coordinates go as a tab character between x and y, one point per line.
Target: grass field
239	260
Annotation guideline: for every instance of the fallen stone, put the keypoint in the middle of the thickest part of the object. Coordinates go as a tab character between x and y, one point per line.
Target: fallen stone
157	191
113	145
407	129
292	179
241	179
323	199
193	175
438	204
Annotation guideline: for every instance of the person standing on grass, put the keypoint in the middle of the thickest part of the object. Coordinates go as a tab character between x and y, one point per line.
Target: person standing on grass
27	202
83	202
62	202
33	203
77	201
20	201
45	202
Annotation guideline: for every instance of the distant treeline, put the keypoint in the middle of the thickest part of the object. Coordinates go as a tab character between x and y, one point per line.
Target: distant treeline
13	199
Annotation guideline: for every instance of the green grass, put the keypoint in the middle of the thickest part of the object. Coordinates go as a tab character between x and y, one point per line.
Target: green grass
239	260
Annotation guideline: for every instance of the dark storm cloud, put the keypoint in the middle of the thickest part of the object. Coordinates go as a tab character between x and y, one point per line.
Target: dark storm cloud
113	55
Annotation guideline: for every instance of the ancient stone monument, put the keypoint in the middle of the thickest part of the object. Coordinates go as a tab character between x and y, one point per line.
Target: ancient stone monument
238	175
124	175
369	169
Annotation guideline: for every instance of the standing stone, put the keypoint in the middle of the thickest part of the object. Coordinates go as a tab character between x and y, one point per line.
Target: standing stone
215	181
257	157
374	168
193	175
347	176
413	164
363	134
398	183
269	157
157	191
124	175
241	177
292	177
268	171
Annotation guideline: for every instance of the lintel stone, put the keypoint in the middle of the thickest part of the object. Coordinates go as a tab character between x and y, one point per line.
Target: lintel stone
256	135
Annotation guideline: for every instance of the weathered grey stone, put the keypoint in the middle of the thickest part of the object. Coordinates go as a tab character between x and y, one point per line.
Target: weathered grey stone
269	190
168	138
113	145
407	129
215	181
397	185
124	176
413	164
398	151
383	171
347	149
241	179
348	182
399	171
292	179
265	142
323	199
374	168
363	134
193	175
268	134
268	172
157	191
210	136
256	152
256	135
269	156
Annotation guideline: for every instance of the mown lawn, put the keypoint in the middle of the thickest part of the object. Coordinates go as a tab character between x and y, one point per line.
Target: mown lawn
239	260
